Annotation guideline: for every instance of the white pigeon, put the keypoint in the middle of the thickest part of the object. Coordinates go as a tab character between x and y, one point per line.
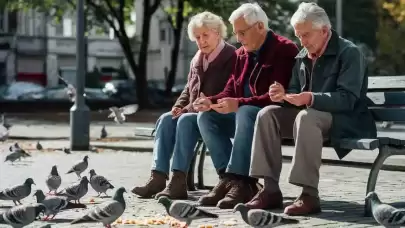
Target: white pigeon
386	215
106	213
119	113
22	215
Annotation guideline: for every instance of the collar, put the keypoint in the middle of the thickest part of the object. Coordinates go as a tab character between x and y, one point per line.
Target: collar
215	52
331	47
266	40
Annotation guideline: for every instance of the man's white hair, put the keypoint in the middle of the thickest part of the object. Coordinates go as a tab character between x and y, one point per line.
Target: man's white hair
311	12
252	13
209	20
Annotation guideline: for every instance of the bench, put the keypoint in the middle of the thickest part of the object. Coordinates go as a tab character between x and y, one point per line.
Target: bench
387	103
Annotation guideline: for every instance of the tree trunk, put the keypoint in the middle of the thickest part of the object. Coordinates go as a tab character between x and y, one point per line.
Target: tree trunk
177	29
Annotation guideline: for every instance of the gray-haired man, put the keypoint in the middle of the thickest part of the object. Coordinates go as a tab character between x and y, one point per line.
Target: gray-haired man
326	98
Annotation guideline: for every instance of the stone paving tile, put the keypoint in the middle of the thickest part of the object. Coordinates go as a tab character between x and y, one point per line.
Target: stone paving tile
341	189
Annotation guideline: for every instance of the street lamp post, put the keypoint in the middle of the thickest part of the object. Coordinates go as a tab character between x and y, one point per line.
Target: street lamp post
80	113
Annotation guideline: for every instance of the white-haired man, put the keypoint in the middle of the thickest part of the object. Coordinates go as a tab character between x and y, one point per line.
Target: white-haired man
265	57
326	99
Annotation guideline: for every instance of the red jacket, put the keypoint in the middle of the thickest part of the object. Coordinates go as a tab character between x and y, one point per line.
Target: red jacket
275	63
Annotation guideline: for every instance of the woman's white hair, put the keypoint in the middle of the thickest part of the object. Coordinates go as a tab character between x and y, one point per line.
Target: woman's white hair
252	13
311	12
209	20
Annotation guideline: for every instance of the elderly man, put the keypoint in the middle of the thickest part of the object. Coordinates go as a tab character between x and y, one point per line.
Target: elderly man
265	58
326	99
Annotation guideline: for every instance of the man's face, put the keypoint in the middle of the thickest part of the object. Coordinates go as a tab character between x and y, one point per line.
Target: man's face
310	37
248	35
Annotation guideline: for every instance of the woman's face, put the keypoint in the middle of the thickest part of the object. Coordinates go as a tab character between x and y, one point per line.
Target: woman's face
207	39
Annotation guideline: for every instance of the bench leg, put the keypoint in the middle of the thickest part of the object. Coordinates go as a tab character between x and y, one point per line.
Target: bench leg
201	167
383	154
190	175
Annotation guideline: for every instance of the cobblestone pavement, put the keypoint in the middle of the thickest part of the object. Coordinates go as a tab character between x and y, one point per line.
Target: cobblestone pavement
342	189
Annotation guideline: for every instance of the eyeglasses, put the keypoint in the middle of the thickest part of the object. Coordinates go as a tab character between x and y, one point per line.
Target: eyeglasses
243	32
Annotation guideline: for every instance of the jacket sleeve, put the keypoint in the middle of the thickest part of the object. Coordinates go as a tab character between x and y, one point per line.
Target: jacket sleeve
184	97
282	74
349	84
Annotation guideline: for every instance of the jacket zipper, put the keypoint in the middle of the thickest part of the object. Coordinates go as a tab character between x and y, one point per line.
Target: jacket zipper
310	76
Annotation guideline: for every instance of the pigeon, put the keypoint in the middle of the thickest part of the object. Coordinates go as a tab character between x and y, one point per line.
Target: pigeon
15	155
18	192
261	218
386	215
55	204
184	211
54	180
99	183
80	166
106	213
66	150
4	122
15	146
119	113
23	215
39	146
76	191
103	133
70	90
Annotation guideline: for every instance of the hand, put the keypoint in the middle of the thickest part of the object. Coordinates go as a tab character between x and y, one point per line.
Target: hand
226	105
276	92
176	112
202	103
304	98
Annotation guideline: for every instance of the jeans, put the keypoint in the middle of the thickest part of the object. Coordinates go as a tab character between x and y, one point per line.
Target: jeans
176	137
217	130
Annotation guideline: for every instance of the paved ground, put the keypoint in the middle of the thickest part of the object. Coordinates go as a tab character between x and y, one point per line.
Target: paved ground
342	189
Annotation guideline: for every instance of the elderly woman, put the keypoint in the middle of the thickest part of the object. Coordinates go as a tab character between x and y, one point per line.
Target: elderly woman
177	131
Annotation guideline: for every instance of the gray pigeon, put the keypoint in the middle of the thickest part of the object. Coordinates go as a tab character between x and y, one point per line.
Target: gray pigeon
184	211
386	215
261	218
66	150
119	113
55	204
80	166
106	213
15	155
103	133
99	183
76	191
23	215
39	146
54	180
18	192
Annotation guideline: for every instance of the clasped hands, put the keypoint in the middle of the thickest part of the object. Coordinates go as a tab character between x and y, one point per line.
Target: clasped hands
224	105
277	94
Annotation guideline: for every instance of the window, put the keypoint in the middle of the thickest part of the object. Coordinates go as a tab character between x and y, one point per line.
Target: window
162	35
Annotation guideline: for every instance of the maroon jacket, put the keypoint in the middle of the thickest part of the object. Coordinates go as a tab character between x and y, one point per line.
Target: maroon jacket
275	63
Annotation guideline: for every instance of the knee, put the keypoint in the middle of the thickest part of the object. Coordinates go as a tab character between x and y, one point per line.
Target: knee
204	118
246	113
186	120
267	111
164	119
304	116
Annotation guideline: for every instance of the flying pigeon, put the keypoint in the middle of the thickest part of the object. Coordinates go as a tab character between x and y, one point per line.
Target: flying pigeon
106	213
262	218
39	146
80	166
23	215
103	133
184	211
55	204
76	191
386	215
70	90
54	180
119	113
99	183
18	192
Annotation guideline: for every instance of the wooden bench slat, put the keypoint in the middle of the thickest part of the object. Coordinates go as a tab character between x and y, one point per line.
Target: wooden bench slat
386	83
359	144
386	99
388	114
145	131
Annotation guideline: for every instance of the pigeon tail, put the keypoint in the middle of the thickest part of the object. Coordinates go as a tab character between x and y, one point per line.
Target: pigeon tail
70	171
83	219
207	214
289	221
74	205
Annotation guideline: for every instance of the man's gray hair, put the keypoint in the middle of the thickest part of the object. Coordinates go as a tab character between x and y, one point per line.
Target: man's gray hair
209	20
252	13
311	12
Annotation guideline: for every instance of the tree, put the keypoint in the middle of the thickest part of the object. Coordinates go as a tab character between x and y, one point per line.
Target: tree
103	15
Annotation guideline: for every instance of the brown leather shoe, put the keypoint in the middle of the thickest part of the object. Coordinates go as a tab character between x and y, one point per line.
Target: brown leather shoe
265	200
304	205
177	187
155	184
217	193
241	192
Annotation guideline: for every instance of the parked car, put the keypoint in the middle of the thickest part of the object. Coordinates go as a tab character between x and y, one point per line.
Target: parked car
22	91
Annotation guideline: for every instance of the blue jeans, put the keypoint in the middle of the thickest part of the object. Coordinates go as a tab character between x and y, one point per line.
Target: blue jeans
218	129
176	137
